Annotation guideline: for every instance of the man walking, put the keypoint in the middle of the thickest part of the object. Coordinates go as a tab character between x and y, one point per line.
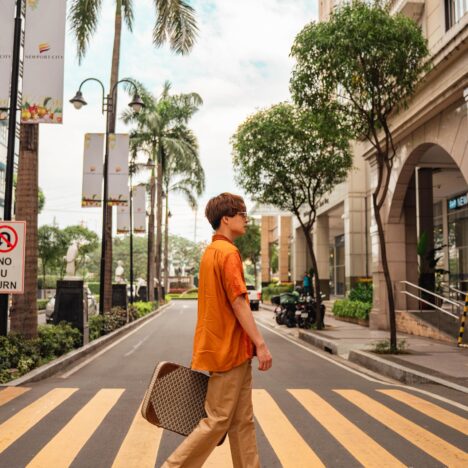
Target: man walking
226	339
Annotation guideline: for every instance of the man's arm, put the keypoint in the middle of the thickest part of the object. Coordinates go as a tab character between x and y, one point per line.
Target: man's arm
244	315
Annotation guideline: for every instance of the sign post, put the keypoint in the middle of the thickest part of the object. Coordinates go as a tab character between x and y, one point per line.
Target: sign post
12	252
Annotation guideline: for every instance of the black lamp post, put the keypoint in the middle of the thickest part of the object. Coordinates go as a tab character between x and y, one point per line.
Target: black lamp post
107	106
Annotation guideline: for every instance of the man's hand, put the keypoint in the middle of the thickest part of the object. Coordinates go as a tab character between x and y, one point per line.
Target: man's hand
265	360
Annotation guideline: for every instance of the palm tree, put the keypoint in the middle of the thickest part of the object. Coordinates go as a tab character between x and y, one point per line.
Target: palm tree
184	175
161	132
175	22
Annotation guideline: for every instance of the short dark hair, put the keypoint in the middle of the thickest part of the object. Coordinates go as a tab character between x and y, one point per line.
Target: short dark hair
225	204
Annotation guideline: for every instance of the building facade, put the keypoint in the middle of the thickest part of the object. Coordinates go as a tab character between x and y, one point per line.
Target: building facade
428	194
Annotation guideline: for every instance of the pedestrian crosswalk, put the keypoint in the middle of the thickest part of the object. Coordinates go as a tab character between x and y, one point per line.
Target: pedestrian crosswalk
142	442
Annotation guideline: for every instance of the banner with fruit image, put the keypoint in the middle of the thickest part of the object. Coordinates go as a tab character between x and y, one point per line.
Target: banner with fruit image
118	169
92	169
123	219
7	25
44	47
139	209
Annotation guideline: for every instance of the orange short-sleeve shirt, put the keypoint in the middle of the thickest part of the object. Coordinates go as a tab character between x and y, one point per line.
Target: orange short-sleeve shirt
220	342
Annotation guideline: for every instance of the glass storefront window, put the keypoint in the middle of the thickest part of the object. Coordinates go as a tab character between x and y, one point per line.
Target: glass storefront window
458	248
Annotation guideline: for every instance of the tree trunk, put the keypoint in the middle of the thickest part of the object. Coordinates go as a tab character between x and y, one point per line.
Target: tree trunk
112	122
24	308
317	292
159	222
388	280
166	243
150	259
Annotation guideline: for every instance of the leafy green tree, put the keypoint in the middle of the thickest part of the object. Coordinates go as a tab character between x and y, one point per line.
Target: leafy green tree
291	159
88	242
185	254
175	23
52	246
249	246
364	64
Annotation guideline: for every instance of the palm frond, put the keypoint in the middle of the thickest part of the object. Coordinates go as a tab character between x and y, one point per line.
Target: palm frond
127	6
176	23
84	16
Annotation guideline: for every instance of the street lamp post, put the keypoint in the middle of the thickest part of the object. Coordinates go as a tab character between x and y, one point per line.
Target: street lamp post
107	106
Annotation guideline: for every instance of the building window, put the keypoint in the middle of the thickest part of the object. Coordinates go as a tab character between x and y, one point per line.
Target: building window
454	11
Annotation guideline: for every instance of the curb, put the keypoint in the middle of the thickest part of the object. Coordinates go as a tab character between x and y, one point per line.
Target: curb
319	342
64	361
399	372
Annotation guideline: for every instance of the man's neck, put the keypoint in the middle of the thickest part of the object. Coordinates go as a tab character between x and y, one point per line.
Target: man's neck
223	231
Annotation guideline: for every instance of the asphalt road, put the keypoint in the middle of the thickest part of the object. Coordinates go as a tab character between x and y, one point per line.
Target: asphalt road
310	410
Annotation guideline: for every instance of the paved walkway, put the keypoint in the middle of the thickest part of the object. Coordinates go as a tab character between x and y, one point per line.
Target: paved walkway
424	355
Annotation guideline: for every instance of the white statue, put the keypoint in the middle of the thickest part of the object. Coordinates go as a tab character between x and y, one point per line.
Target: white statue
119	271
70	258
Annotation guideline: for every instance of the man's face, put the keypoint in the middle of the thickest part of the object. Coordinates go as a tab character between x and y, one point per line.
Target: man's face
237	223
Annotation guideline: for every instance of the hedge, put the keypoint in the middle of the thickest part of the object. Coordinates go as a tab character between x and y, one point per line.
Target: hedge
41	303
362	292
275	289
355	309
94	287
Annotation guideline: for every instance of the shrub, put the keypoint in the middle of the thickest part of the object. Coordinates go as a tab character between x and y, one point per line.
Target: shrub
55	340
49	282
383	347
96	326
354	309
274	289
41	303
94	287
177	290
361	292
191	291
143	308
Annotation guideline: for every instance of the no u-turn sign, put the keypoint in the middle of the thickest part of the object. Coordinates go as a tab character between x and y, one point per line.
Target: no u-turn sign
12	251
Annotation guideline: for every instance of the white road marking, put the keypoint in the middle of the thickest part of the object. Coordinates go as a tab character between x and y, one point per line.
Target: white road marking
136	346
364	376
115	343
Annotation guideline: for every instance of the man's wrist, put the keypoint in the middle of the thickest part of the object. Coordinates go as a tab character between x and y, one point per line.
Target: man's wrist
260	344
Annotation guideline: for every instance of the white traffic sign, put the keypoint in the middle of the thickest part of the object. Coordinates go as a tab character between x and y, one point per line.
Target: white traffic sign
12	252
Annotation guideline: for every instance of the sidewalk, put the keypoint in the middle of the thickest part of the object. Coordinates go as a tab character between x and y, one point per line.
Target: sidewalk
354	343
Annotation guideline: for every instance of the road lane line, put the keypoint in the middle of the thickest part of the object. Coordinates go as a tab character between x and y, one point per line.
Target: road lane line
65	446
430	409
140	446
362	447
115	343
25	419
10	393
136	346
220	457
433	445
360	374
290	448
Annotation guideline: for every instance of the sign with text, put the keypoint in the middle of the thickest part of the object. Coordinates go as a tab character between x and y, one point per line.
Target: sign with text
139	209
92	170
118	169
7	25
12	252
44	47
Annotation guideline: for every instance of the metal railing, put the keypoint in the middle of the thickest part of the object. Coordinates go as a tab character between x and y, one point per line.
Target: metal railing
443	304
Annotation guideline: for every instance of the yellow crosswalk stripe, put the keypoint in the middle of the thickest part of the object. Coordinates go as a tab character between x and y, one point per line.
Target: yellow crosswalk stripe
220	457
25	419
438	448
430	409
368	452
11	393
290	448
64	447
140	446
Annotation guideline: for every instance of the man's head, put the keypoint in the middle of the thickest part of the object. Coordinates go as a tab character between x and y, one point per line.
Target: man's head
227	214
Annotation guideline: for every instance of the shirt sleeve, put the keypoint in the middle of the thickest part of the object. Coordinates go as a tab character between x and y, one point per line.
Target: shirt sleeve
233	277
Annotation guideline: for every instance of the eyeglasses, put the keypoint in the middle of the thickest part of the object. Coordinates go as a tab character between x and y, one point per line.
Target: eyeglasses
243	214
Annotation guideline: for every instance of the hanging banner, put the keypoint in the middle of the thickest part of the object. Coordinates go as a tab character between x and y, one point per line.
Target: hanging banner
139	209
92	169
123	219
44	47
7	26
118	169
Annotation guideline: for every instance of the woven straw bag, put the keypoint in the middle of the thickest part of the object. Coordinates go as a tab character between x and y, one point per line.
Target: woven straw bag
175	398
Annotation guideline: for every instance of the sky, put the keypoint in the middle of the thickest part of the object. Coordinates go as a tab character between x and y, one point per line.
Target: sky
239	64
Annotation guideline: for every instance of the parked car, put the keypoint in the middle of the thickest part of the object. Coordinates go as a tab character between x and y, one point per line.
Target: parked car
254	297
92	307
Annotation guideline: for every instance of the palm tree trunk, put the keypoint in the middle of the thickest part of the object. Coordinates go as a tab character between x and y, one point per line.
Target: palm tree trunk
150	260
112	121
166	243
159	223
24	308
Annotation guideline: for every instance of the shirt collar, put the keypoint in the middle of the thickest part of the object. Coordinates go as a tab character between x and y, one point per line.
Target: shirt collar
221	237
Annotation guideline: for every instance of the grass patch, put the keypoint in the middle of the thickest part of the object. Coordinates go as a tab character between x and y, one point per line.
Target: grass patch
383	347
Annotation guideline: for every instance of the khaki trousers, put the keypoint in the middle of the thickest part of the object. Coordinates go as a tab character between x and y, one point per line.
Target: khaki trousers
229	410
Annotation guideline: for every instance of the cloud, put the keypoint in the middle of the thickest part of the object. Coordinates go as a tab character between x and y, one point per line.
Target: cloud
240	63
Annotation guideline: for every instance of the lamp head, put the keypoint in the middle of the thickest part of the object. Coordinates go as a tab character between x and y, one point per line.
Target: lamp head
136	104
78	100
